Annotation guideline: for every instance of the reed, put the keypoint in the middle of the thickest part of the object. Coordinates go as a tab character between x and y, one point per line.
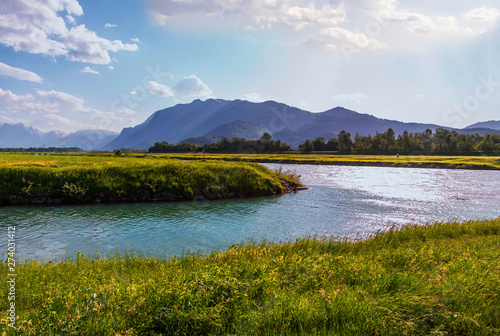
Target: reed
437	279
80	178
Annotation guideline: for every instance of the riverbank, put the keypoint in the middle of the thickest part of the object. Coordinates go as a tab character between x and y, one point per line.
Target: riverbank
448	162
69	179
436	279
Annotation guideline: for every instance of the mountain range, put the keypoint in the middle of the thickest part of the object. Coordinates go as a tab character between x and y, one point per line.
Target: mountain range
19	135
210	120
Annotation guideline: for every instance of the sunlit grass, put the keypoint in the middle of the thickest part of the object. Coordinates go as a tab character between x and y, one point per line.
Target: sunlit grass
439	279
455	162
460	162
85	178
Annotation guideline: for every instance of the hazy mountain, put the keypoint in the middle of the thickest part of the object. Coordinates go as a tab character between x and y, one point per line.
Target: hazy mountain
492	124
241	129
480	131
203	140
328	124
18	135
86	139
216	118
208	121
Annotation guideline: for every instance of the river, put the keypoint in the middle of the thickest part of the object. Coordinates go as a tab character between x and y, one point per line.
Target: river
342	201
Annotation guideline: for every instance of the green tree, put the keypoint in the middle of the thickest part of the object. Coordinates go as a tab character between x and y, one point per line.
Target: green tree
266	137
390	138
345	142
406	144
224	145
487	144
378	143
332	144
426	140
319	144
442	140
465	143
307	146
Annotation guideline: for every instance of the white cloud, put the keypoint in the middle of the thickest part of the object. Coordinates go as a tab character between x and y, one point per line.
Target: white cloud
7	120
110	67
423	24
483	14
352	97
10	102
52	102
192	86
335	38
299	17
373	6
126	112
418	23
158	89
71	20
18	73
110	25
89	70
62	100
86	46
363	24
252	97
296	14
49	122
68	103
135	39
36	27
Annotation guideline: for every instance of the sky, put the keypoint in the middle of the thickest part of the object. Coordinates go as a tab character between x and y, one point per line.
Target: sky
69	65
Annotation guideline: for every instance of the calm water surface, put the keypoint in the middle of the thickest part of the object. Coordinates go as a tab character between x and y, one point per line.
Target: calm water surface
343	201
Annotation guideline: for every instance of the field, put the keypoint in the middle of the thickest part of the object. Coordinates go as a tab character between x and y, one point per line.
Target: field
28	178
451	162
439	279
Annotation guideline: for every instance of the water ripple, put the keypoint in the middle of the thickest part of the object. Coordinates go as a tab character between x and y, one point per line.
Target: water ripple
343	201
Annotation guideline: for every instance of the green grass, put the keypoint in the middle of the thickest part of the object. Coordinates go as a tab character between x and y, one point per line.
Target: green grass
439	279
451	162
85	178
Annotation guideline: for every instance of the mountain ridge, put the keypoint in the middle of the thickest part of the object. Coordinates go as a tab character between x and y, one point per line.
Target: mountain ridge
209	120
490	124
214	118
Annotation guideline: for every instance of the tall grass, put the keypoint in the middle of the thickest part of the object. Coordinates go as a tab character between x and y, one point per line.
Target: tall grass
414	161
86	179
439	279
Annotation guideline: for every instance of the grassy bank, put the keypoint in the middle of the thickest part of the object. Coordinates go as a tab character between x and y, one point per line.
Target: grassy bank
451	162
81	178
440	279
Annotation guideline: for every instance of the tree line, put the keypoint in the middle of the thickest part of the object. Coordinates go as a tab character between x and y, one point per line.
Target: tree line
442	141
236	145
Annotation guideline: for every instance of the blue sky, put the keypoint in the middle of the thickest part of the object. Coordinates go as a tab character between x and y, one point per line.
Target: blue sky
68	65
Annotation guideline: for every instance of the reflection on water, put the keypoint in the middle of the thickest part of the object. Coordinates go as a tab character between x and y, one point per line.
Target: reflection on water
342	201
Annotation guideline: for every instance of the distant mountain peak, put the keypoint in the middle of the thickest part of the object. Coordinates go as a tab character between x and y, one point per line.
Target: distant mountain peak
19	135
211	119
215	118
491	124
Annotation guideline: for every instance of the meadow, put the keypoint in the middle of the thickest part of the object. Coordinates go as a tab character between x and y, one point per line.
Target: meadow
413	161
438	279
80	178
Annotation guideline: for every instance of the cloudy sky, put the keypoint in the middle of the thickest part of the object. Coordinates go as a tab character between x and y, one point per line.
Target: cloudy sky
68	65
